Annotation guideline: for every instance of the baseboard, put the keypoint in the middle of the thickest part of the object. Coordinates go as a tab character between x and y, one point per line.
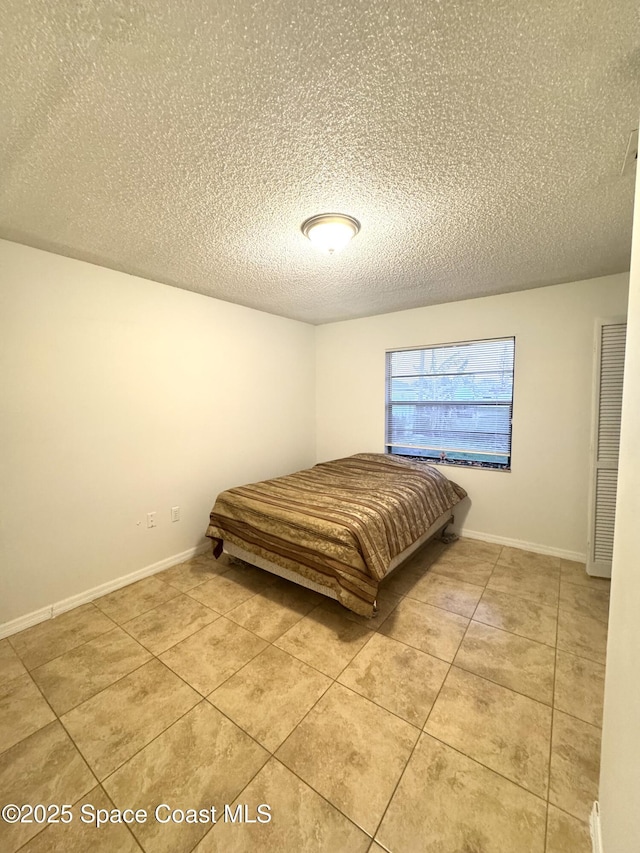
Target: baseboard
596	831
26	621
51	610
525	546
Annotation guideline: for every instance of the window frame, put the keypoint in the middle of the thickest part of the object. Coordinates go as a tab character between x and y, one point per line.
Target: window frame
388	448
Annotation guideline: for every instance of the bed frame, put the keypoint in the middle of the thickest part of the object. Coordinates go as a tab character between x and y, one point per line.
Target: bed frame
245	554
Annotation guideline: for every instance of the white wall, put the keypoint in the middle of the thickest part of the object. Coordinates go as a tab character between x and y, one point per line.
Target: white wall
620	767
543	501
121	396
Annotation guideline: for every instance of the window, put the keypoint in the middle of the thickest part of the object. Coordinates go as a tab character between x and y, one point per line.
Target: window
452	403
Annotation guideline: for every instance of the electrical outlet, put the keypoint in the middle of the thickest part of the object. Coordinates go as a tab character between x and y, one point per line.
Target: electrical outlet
151	519
175	513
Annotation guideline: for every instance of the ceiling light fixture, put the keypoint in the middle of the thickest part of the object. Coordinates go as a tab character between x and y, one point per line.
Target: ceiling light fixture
330	232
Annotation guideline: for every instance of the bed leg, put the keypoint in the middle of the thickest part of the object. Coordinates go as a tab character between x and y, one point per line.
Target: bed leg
447	537
375	607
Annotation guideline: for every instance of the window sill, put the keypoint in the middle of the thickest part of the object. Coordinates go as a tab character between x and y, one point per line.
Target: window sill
465	465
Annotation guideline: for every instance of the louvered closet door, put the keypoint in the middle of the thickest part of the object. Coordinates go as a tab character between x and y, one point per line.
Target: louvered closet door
609	369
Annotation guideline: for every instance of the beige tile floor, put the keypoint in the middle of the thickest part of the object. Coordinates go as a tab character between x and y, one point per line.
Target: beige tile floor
465	716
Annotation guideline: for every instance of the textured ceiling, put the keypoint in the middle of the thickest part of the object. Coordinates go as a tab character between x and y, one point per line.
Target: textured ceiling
479	142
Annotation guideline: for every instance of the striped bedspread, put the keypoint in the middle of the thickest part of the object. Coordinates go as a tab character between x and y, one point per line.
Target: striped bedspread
340	523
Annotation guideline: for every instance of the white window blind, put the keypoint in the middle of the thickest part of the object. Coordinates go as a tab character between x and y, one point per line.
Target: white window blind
452	402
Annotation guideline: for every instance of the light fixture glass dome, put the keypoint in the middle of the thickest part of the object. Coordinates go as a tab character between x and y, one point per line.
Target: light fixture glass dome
330	232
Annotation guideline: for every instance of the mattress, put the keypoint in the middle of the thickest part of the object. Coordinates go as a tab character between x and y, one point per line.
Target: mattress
341	524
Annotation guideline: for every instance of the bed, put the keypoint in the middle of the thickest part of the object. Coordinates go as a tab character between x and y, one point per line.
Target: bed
340	527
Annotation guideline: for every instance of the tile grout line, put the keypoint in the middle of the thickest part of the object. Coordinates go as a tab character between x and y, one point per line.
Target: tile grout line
580	657
190	636
309	785
507	631
417	648
441	607
75	746
504	687
560	608
106	616
499	684
419	731
453	664
477	622
518	596
167	601
108	776
270	644
486	767
349	662
303	781
521	596
526	695
420	734
226	615
116	624
574	717
372	631
128	827
450	664
126	674
122	625
73	648
74	804
584	823
106	687
205	696
409	757
553	702
142	612
235	723
333	680
177	643
157	656
201	699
